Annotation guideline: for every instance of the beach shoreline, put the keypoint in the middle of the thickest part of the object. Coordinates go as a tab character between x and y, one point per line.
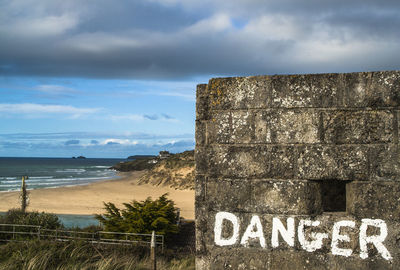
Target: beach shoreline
88	199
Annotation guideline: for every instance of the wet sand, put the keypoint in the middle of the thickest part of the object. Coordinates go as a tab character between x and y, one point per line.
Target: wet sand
88	199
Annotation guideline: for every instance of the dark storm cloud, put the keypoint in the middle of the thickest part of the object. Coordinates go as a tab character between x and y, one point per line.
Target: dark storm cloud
161	39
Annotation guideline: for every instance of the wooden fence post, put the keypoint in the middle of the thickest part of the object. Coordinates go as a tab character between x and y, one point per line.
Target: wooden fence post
153	251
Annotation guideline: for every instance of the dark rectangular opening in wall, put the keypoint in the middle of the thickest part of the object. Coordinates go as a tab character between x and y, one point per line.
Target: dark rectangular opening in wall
333	195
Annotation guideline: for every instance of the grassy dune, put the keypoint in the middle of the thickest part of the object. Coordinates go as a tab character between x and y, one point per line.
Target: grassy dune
177	171
37	255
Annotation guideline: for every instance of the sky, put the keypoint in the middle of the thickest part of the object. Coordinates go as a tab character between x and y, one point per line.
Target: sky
117	78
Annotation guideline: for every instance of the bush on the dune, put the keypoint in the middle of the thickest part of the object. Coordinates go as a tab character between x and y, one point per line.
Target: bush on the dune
45	220
141	217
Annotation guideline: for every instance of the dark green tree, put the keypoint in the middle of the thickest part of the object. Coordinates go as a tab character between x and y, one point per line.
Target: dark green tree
45	220
141	216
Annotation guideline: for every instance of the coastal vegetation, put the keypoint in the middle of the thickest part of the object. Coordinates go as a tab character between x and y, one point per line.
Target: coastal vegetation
17	216
43	255
141	156
139	164
145	216
176	171
158	215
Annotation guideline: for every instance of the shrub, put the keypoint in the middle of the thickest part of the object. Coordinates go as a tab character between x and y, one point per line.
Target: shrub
141	217
17	216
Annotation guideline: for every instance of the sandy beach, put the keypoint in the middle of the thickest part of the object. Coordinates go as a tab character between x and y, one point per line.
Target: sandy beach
88	199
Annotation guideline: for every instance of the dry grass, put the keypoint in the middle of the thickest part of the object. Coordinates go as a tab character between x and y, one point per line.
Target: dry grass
37	255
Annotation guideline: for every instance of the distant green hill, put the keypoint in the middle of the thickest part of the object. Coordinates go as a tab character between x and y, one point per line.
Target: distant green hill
176	171
138	164
141	156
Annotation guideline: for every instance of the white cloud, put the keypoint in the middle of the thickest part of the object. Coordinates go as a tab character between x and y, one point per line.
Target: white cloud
41	110
215	23
119	141
131	117
99	42
55	89
143	117
275	27
187	96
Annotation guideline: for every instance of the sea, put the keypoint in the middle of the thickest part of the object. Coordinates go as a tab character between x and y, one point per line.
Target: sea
54	172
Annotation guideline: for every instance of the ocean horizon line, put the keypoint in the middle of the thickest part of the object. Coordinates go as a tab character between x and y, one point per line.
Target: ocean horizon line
54	172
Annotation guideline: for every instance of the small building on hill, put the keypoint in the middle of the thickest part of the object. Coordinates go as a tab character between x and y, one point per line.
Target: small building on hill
164	154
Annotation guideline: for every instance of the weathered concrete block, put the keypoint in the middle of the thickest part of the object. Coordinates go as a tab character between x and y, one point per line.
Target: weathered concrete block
231	127
284	260
201	228
242	127
200	189
201	133
355	85
281	159
358	126
369	199
287	126
396	126
219	128
247	161
202	102
227	230
372	89
298	91
385	162
239	92
380	126
229	194
332	238
271	197
201	155
340	162
239	259
244	161
298	172
286	197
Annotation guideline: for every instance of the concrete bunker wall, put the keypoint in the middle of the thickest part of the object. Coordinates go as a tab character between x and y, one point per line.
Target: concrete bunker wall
298	172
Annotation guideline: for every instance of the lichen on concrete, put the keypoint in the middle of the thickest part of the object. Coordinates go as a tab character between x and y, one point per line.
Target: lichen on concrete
298	172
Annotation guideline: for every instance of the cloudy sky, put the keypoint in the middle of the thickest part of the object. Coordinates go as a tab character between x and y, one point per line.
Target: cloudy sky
115	78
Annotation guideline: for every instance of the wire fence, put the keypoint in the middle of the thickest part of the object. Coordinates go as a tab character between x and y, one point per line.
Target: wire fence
16	232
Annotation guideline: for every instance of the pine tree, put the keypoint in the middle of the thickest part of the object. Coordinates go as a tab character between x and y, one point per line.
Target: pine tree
141	216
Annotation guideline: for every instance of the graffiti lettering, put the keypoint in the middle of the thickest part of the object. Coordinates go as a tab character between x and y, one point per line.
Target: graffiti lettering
308	239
